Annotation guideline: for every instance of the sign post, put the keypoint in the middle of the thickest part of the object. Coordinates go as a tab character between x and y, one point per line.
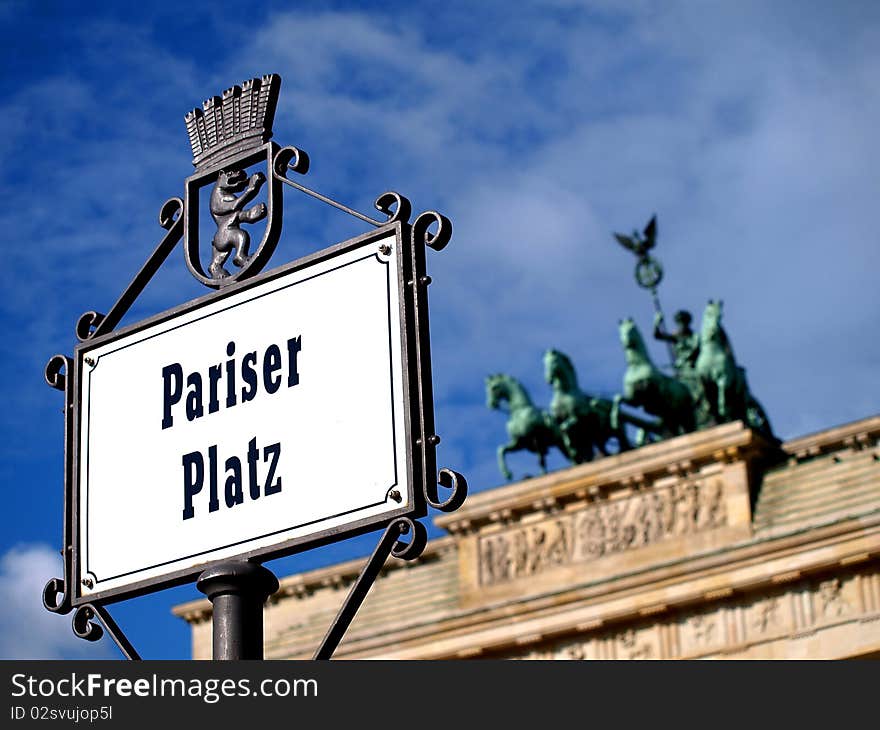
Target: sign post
284	410
237	591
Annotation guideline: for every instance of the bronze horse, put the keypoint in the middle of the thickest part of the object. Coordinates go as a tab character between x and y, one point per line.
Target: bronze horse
645	386
584	422
723	381
528	427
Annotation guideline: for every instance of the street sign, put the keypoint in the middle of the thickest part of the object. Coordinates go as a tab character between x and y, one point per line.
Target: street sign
264	419
285	410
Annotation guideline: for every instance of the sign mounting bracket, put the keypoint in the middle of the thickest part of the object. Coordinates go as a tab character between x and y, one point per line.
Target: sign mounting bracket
389	544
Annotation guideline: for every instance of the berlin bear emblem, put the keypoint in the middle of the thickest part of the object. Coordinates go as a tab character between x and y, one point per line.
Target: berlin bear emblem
229	212
229	136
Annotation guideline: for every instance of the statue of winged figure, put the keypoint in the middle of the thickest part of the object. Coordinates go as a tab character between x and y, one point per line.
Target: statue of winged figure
648	269
640	243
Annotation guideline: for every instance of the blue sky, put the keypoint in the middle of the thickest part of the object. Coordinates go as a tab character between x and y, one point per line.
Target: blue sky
750	128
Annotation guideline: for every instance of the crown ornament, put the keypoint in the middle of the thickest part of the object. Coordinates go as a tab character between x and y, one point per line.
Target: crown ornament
239	120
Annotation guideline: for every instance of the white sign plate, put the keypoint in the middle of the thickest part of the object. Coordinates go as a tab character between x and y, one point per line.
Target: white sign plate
272	416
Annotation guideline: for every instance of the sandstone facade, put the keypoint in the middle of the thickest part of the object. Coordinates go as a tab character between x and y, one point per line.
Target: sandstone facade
716	544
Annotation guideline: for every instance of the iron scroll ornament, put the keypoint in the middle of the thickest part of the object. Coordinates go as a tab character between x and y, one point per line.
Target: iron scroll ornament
58	375
83	621
84	626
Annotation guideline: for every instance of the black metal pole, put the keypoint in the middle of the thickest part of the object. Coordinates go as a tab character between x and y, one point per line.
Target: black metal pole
237	591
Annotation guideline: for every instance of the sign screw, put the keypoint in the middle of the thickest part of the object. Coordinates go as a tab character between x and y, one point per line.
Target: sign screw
395	495
89	361
384	249
88	582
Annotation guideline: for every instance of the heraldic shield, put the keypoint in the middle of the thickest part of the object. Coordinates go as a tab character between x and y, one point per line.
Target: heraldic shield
228	135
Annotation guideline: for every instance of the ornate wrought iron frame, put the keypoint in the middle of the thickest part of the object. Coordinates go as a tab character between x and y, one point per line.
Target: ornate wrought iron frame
430	229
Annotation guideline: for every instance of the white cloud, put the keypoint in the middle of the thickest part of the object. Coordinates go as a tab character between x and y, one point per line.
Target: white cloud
29	630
